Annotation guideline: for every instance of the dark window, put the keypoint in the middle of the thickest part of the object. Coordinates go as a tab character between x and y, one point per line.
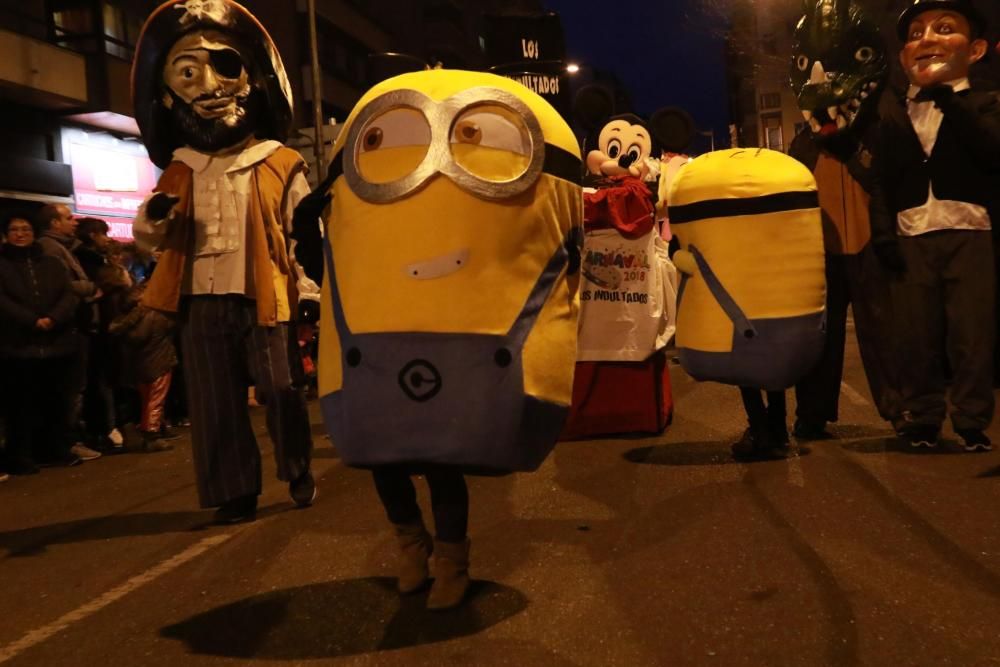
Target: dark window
770	101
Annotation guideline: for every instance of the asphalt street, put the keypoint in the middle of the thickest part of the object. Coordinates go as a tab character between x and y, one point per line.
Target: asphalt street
632	552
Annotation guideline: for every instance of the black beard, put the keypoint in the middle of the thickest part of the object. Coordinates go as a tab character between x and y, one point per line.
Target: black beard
213	134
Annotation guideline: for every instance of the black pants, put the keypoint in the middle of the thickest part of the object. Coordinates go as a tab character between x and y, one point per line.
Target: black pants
38	401
945	303
99	412
860	282
449	498
770	417
224	351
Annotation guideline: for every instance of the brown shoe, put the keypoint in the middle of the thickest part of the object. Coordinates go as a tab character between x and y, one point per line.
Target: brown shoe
415	547
451	575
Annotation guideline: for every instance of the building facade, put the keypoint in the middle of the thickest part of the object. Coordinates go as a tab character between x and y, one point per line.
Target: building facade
67	134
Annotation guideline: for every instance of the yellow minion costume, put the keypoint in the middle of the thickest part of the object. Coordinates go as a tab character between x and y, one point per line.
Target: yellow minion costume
450	336
752	301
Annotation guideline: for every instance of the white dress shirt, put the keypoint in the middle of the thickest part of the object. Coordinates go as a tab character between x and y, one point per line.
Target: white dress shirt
222	262
937	214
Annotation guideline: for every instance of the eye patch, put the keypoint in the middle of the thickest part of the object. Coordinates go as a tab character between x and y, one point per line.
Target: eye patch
227	63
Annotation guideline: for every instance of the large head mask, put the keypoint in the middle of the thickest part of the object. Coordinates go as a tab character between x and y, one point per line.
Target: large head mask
941	40
207	75
838	65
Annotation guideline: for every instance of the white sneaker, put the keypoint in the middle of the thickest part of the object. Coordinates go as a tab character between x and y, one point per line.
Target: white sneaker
83	452
116	437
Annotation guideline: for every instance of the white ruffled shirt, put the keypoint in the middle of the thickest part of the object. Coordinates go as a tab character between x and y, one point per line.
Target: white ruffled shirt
221	188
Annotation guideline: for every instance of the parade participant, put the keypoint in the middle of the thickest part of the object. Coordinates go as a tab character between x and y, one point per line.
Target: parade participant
628	288
213	104
450	353
751	310
936	167
838	68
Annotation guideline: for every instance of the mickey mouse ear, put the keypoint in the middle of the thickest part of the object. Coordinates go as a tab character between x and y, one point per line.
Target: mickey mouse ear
382	66
673	129
592	106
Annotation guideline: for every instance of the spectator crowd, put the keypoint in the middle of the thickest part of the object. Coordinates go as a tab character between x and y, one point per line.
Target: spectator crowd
79	354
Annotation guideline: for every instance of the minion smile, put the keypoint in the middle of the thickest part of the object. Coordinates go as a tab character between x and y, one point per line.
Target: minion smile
438	267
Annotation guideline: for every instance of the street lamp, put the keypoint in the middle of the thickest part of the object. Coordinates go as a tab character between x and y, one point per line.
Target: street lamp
711	135
572	68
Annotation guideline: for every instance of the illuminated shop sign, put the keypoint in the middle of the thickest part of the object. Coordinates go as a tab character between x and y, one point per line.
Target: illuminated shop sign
111	177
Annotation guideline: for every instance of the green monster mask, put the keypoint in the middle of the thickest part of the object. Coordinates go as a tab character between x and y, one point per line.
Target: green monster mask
839	64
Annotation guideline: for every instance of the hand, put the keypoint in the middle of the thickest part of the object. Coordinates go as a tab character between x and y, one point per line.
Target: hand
890	257
44	323
685	262
159	205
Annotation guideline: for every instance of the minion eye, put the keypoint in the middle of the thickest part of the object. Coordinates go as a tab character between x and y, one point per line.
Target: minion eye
802	62
614	148
372	139
492	126
392	145
864	54
468	132
499	130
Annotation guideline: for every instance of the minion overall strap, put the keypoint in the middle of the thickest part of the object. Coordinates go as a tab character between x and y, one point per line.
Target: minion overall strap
522	325
722	296
539	294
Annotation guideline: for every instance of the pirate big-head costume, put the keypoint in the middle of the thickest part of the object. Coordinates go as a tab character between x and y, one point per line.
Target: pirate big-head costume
214	107
207	75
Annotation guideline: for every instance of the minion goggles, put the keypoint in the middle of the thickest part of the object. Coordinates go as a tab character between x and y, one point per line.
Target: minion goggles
440	159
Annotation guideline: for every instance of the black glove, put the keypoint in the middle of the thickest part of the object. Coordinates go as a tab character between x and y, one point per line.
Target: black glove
159	205
890	257
306	230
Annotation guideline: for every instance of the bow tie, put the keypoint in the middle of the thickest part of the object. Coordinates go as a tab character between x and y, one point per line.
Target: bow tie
936	93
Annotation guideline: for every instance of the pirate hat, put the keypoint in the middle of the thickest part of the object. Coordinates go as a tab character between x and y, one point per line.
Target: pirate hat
168	23
963	7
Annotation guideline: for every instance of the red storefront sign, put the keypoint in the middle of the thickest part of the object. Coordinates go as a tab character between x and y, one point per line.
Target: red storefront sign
110	184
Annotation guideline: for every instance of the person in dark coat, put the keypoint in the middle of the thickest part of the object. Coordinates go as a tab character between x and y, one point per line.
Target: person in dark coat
99	413
37	340
56	227
149	357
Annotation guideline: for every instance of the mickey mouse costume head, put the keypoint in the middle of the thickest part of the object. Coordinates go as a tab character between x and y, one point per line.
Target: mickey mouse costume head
623	144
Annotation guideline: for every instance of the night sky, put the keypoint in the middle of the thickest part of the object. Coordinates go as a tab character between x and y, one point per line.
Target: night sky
666	53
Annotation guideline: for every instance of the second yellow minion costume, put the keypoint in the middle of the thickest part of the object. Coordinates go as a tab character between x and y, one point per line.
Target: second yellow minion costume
751	305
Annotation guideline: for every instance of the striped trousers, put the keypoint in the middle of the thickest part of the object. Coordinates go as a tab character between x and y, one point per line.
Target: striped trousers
224	351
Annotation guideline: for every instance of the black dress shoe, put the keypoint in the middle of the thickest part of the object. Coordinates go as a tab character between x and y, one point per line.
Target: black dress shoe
303	489
237	510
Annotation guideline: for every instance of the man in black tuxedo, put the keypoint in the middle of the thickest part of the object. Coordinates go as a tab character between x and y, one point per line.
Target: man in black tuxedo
937	167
